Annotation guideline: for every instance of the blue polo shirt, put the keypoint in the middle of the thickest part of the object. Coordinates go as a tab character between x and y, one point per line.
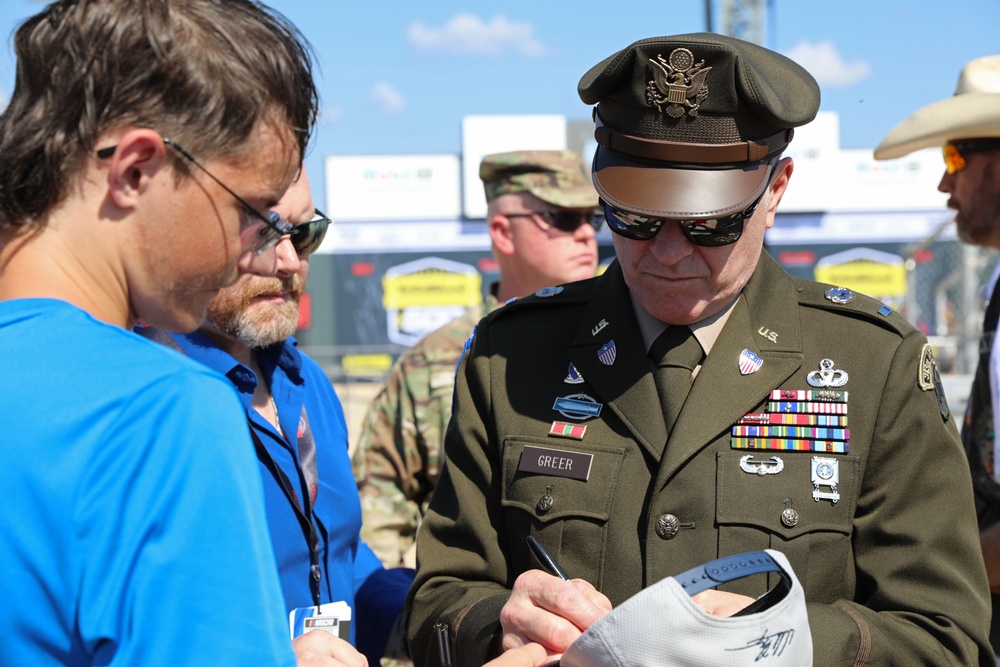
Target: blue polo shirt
131	518
296	380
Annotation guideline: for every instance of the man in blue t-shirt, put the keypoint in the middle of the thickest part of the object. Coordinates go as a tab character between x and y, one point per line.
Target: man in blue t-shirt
139	156
298	428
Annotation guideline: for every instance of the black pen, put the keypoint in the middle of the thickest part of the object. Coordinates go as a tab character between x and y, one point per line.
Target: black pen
544	558
444	643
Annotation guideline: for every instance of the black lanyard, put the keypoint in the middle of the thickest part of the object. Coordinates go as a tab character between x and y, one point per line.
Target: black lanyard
303	510
307	459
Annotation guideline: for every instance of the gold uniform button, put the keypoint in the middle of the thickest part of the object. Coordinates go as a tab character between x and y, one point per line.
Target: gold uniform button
667	526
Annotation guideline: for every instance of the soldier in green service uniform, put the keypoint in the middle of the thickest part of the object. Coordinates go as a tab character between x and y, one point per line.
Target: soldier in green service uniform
696	402
541	212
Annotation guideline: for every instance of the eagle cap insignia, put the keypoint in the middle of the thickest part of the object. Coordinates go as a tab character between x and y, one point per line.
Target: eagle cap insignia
678	85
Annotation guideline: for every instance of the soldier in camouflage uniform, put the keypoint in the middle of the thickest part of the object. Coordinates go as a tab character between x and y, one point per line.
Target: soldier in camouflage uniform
542	223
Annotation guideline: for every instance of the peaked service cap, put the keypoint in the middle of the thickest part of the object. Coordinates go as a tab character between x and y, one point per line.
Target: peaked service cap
559	178
973	112
689	126
661	626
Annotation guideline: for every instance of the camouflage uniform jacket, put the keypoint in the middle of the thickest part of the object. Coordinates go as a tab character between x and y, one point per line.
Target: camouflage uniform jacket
398	458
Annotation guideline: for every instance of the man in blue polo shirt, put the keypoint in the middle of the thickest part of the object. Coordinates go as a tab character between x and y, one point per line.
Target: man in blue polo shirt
300	436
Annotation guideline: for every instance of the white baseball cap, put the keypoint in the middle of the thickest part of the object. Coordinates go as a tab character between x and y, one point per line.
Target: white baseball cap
662	627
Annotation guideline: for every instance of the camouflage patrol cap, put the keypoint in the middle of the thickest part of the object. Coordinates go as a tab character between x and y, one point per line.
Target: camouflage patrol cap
559	178
688	126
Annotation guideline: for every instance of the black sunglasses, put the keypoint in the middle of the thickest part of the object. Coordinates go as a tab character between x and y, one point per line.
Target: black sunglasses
564	221
708	232
272	231
307	236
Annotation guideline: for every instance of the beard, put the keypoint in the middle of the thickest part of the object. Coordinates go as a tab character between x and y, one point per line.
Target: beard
257	325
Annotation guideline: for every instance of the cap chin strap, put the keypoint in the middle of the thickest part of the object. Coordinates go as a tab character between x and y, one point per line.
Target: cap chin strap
743	152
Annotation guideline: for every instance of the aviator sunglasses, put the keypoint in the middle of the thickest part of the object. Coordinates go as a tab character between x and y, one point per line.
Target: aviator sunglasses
708	232
564	221
307	236
955	152
272	231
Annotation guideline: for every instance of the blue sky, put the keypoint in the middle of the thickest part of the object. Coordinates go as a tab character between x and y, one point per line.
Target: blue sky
397	77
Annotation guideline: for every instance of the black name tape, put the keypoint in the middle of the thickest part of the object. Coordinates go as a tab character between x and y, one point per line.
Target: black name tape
558	462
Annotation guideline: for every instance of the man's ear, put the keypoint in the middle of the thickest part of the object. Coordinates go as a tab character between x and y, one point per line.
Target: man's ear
139	155
500	234
782	173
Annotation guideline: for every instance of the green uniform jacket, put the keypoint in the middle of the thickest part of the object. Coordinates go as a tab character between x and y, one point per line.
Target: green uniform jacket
892	572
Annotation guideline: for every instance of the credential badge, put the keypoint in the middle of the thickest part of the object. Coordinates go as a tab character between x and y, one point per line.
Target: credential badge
678	84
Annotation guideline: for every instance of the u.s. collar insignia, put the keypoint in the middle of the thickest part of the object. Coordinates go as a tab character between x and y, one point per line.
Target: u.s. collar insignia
827	375
678	84
839	295
549	291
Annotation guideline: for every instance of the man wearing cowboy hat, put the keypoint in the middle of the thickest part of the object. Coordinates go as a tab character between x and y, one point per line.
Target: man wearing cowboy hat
968	126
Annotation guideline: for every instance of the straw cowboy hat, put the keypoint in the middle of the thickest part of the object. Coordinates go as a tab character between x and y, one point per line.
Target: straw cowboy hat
972	113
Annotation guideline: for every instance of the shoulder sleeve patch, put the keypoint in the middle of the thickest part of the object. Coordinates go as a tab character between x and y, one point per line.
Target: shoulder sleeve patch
925	376
928	378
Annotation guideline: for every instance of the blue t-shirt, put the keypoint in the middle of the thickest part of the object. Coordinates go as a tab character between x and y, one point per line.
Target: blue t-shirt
294	379
132	529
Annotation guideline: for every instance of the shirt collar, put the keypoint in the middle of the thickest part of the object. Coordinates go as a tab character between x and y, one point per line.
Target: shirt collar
283	355
706	331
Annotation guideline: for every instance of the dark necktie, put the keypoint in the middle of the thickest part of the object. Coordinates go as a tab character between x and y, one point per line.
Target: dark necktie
676	353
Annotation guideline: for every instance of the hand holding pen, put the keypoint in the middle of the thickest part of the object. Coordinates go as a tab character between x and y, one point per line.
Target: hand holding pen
544	558
547	611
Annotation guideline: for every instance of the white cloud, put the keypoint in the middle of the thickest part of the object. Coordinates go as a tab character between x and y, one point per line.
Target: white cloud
330	114
824	62
389	101
466	33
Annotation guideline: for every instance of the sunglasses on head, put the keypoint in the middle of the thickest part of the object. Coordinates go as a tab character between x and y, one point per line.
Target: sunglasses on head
955	152
307	236
564	221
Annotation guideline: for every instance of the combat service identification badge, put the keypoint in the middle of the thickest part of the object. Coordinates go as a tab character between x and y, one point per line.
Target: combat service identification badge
678	84
928	378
